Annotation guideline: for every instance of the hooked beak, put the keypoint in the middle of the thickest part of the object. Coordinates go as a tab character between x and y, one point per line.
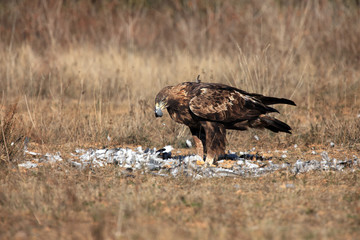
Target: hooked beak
158	110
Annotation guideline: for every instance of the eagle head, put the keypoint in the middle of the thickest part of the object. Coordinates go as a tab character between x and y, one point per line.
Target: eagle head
161	101
158	109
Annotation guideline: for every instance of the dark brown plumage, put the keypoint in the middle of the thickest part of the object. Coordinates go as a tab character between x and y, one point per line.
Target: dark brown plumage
208	109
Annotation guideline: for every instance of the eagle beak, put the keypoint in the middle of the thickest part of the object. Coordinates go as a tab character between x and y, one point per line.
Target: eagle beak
158	111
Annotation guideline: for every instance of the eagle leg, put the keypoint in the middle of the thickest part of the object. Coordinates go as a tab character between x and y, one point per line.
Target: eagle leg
215	140
199	140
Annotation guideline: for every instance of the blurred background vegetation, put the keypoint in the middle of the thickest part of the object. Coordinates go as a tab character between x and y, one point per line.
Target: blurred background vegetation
83	71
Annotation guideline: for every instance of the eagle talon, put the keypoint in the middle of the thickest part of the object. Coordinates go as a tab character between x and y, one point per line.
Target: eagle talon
204	163
200	163
210	165
209	161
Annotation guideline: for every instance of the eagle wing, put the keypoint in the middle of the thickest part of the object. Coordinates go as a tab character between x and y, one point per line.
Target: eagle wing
216	103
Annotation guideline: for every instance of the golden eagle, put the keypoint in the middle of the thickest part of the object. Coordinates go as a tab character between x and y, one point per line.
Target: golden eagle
208	109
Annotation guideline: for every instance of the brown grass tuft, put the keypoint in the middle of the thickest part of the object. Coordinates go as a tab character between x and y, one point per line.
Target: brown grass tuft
11	137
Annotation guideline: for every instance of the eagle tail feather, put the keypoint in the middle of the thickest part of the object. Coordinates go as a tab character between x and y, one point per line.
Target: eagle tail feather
273	100
270	109
275	125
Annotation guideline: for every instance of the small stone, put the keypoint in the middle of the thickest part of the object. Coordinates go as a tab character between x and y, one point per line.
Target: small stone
251	165
325	156
332	144
168	148
188	143
76	164
298	166
27	164
240	162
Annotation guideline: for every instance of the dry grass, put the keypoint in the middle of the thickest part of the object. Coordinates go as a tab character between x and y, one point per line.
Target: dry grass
77	87
63	203
88	95
80	71
11	139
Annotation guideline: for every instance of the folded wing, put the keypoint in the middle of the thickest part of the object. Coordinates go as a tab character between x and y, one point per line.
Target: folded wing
226	105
